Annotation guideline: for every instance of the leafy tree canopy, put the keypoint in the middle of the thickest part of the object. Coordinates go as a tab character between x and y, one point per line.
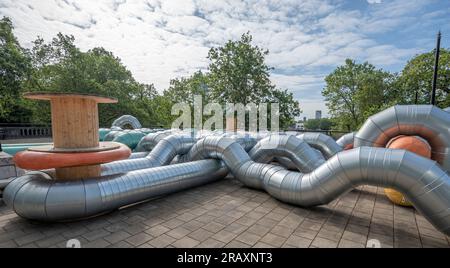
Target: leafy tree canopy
355	91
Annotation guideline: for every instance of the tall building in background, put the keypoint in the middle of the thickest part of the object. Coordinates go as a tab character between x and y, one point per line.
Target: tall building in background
318	114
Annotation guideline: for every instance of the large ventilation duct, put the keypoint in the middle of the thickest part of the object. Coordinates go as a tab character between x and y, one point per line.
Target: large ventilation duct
37	196
127	120
324	143
426	121
421	180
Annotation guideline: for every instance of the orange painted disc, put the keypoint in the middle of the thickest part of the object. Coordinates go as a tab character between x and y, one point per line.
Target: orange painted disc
413	144
34	160
348	147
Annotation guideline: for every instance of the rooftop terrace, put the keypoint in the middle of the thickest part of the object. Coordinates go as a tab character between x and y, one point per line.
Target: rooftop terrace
227	214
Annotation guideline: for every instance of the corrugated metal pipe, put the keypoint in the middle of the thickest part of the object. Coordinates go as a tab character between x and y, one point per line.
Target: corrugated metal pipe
127	120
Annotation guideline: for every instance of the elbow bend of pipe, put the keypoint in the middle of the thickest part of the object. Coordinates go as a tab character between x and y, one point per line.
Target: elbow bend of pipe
164	152
426	121
324	143
346	139
127	120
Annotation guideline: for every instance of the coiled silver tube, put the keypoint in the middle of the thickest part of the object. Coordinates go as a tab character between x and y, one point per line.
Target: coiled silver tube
324	143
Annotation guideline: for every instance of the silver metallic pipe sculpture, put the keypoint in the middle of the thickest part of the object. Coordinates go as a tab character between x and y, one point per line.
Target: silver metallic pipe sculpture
163	153
421	180
346	140
127	120
426	121
37	196
286	146
147	143
138	155
324	143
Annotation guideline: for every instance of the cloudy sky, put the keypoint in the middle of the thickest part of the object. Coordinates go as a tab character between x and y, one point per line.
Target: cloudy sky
159	40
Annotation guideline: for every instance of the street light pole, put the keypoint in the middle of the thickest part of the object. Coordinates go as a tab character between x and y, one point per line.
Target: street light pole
436	67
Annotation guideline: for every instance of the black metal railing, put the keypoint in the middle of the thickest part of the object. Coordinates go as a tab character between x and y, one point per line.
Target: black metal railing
23	131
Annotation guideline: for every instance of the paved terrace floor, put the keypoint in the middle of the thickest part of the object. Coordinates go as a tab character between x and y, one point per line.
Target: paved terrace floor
226	214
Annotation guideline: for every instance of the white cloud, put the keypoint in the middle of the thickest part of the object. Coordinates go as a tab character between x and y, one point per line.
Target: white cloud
160	40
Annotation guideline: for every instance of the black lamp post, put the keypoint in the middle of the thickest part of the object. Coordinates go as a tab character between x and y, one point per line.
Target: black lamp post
436	67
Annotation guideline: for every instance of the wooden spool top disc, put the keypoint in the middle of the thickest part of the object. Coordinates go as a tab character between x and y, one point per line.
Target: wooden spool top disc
55	95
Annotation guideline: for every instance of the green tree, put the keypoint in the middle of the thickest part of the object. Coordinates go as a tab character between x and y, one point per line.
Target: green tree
417	76
355	91
15	66
318	124
59	66
238	73
289	107
185	88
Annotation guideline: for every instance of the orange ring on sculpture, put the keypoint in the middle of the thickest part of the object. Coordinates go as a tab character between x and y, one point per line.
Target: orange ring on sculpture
413	144
34	160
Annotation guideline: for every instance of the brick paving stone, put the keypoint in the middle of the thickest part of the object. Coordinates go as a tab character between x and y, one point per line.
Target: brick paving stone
211	243
248	238
213	227
162	241
117	237
324	243
96	234
205	218
8	244
99	243
236	228
350	244
139	239
185	242
273	240
258	229
30	238
334	235
224	236
157	230
50	241
178	232
237	244
298	242
354	236
200	235
282	231
173	223
192	225
121	244
432	242
187	216
225	220
262	245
